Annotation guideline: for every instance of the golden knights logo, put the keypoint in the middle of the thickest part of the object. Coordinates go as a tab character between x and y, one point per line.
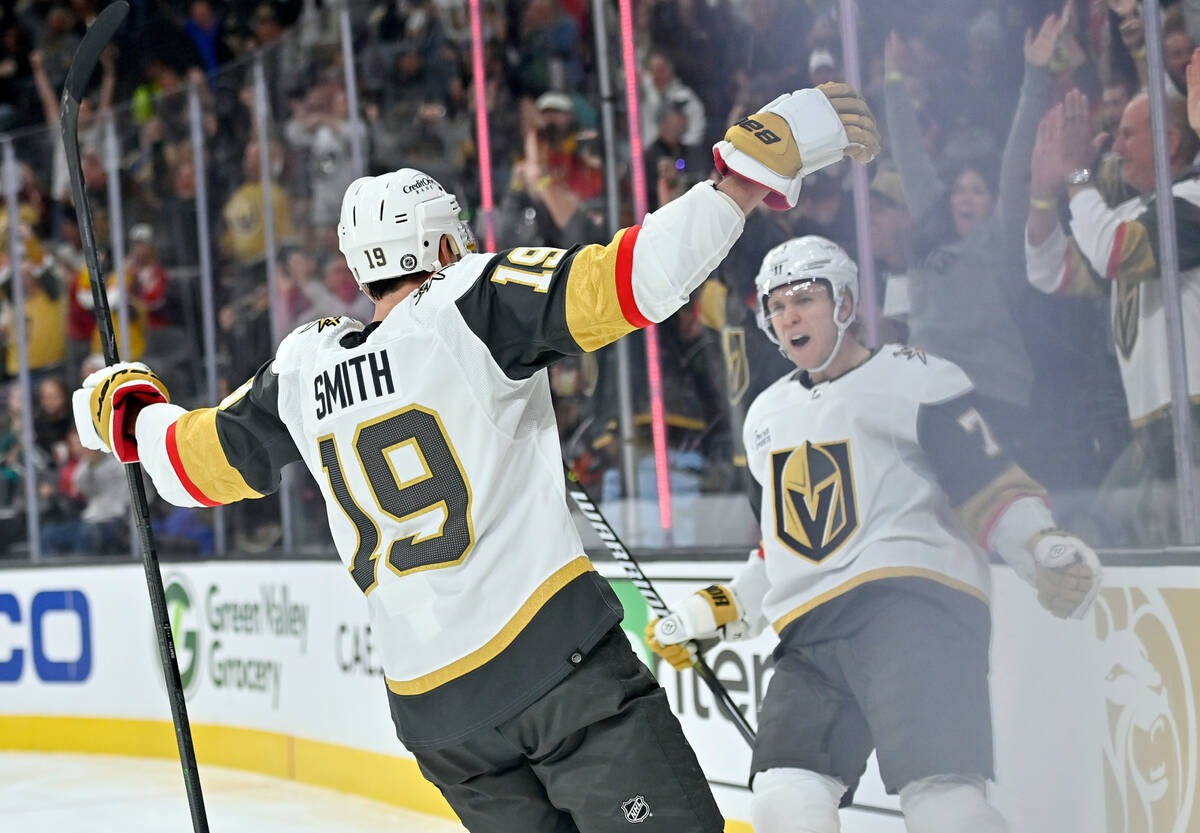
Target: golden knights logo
1126	313
816	510
737	368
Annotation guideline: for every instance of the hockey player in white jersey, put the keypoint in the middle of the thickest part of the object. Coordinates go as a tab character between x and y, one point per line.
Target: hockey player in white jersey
431	433
879	488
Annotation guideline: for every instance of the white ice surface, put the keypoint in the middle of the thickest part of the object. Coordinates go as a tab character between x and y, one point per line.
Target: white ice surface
53	793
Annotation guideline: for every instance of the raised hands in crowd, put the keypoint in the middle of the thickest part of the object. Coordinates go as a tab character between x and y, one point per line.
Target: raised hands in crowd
1039	48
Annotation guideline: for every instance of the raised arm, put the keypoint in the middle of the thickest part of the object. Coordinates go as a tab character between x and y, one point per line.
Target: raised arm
1031	104
108	77
45	89
922	187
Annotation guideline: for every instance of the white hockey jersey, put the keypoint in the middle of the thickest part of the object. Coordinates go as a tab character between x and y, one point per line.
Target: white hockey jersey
1120	245
432	436
888	471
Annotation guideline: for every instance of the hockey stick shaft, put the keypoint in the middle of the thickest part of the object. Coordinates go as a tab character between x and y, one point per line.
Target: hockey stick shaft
635	573
87	56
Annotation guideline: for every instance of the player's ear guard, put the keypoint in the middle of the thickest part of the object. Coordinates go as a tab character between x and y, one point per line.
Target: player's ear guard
795	135
107	399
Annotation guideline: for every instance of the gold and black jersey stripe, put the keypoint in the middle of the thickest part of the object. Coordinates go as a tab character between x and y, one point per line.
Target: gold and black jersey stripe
1134	255
236	450
979	478
533	306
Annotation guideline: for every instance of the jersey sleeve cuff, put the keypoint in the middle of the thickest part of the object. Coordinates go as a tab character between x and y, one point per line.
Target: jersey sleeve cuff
153	423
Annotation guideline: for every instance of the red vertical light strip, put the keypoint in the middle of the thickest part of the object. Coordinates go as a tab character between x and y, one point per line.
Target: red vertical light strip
657	421
481	126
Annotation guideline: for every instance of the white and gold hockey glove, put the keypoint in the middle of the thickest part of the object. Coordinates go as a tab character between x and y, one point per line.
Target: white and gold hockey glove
710	613
795	135
108	399
1064	570
1067	573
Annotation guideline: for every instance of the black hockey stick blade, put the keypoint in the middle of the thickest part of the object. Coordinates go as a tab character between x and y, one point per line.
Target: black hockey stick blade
86	57
634	572
96	39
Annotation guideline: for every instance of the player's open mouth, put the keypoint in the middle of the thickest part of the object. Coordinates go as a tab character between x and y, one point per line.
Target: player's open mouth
799	341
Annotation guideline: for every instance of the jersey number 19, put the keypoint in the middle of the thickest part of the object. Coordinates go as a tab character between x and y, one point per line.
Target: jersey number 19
441	487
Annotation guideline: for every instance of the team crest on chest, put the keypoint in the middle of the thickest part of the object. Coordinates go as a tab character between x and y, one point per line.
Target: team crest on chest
815	506
1126	313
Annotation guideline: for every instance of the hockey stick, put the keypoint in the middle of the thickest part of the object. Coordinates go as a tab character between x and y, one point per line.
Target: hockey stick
634	570
87	55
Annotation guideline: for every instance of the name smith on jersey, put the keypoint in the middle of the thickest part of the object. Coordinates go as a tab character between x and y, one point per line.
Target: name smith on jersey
337	388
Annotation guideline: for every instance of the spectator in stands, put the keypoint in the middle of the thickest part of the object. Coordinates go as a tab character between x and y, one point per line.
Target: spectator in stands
323	131
1114	97
148	283
825	209
176	225
90	128
203	28
44	311
243	237
1115	249
963	289
52	419
989	79
302	295
661	91
67	249
98	480
1177	44
822	67
57	42
696	37
347	297
143	287
547	200
14	73
431	137
567	153
892	238
776	59
12	472
673	166
547	49
1177	49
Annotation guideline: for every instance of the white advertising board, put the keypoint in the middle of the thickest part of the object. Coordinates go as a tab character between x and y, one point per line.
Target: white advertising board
1095	721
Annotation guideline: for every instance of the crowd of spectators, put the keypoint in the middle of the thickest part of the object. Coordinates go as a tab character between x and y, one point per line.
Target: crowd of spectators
959	87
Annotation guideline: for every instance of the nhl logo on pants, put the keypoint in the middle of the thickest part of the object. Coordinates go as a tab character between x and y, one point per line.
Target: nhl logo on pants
636	809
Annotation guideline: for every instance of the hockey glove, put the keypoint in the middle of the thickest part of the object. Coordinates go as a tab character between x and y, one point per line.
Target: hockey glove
708	613
1067	573
795	135
108	403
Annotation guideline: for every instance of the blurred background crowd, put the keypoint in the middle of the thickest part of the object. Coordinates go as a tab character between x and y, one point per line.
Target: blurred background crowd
963	90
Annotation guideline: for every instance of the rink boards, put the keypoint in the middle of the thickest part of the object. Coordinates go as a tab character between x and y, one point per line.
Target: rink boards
1095	721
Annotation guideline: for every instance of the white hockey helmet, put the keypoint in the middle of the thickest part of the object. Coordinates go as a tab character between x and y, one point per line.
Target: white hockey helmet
392	225
801	260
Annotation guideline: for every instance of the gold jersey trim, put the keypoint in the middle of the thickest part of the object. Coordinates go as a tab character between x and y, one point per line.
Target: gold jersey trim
203	458
559	579
980	511
876	575
593	308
